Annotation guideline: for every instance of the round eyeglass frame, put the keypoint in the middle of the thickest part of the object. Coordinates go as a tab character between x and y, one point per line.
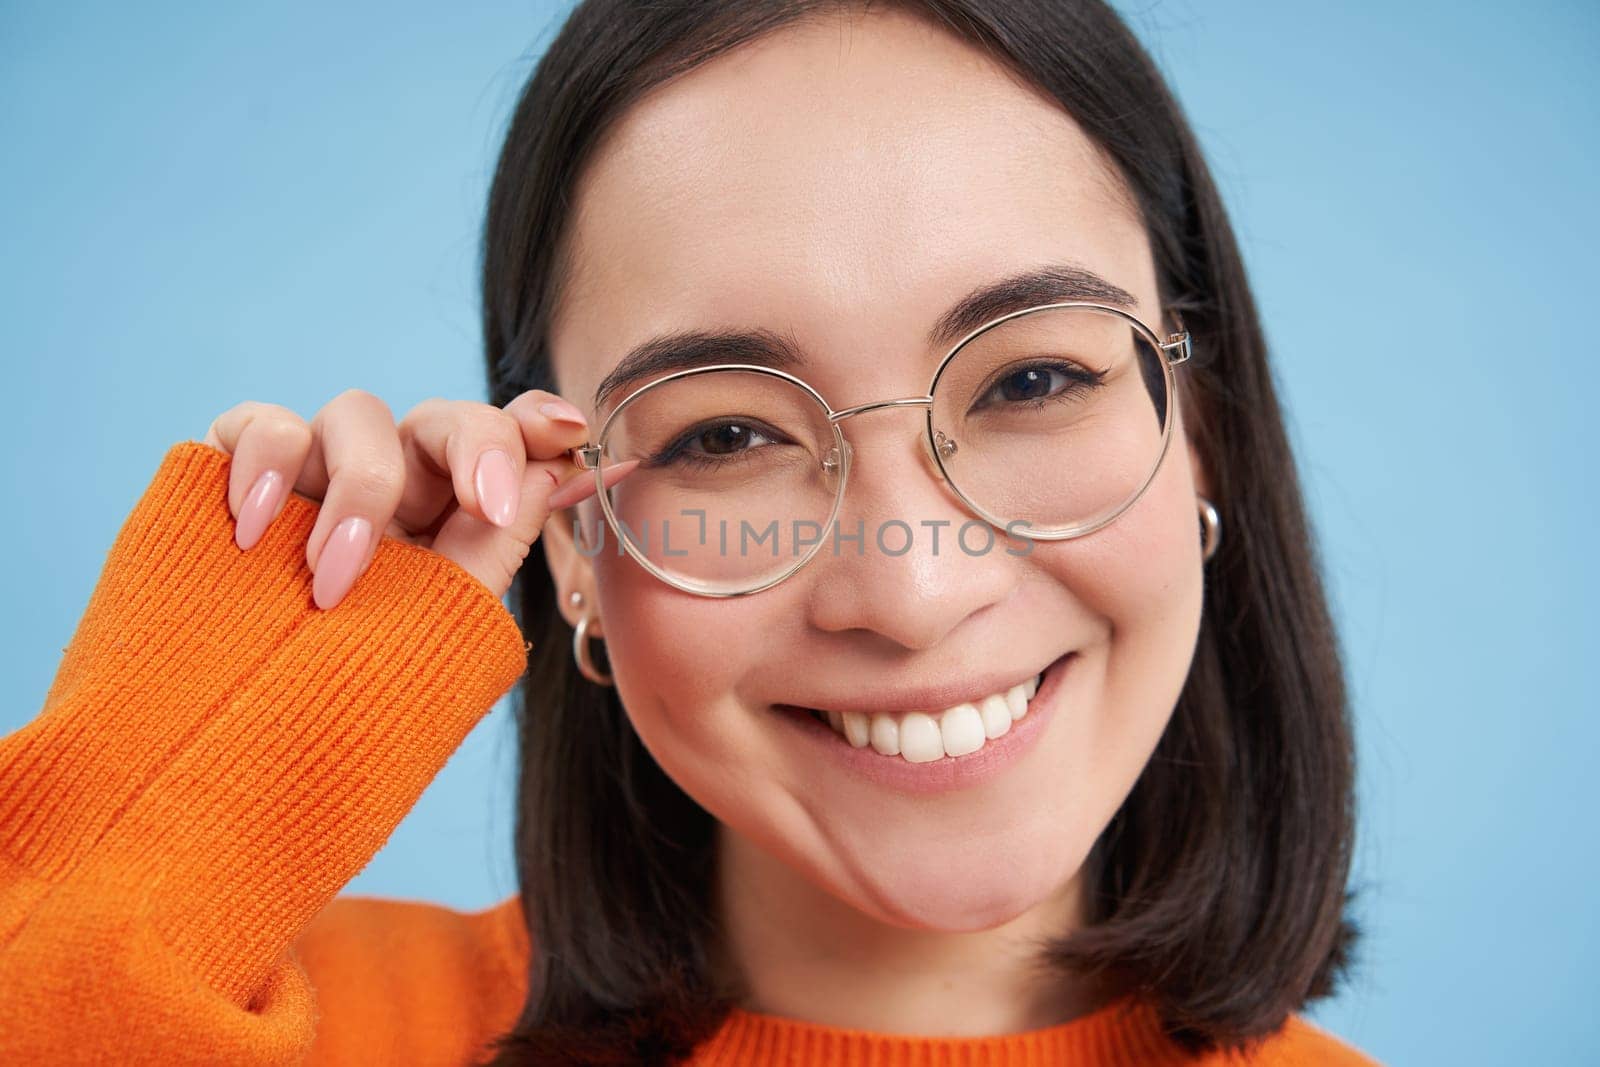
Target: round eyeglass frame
1176	348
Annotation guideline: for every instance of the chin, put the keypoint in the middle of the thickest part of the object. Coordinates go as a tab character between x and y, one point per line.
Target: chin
934	893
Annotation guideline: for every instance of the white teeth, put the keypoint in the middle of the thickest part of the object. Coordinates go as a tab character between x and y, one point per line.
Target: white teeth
856	728
962	730
885	735
921	738
1017	701
996	714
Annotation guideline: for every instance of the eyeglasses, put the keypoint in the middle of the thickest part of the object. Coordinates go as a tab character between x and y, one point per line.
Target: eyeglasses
1047	423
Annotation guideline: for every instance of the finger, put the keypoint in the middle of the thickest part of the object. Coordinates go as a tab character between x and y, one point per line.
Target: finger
460	451
358	442
550	425
269	445
494	555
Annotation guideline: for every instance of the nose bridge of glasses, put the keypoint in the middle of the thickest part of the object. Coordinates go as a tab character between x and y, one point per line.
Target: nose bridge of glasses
837	467
900	402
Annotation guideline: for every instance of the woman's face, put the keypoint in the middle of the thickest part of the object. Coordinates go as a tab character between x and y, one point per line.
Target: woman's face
845	182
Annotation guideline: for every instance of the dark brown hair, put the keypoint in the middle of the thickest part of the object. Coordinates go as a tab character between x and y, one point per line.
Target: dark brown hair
1219	887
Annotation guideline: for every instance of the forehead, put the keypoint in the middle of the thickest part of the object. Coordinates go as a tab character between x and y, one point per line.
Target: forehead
845	180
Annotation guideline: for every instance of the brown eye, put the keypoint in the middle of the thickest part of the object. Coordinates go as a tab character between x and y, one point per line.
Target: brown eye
727	438
715	443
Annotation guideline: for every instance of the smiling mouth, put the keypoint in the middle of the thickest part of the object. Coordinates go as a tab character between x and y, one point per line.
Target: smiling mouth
920	737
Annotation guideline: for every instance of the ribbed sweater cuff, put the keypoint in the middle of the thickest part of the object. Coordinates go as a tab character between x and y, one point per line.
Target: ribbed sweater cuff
224	751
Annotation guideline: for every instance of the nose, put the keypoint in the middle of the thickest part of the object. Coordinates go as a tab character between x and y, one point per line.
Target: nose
896	564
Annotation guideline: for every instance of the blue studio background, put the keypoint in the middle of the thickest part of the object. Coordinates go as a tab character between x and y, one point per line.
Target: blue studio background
201	204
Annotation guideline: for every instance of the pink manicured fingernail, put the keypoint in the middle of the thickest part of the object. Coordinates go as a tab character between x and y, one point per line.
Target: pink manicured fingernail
571	492
256	513
562	411
496	485
340	561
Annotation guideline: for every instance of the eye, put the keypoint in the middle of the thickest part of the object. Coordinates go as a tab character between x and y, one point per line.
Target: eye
1029	384
714	443
1038	383
726	438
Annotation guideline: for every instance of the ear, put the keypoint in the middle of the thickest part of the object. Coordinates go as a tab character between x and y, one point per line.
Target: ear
571	569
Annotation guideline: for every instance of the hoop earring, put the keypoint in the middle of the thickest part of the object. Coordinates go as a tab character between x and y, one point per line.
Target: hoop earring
1211	529
580	645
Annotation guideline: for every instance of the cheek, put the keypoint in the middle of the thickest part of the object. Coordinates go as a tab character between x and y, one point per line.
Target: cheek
661	641
677	660
1140	581
1141	575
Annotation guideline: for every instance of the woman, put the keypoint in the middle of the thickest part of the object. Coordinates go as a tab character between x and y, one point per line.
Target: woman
1072	785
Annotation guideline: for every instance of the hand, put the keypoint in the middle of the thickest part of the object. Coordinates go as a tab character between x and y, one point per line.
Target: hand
470	481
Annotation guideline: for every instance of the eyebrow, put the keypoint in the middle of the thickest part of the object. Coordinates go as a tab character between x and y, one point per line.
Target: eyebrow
1049	284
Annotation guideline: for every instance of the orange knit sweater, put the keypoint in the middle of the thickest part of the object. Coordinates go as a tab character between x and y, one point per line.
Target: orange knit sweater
216	758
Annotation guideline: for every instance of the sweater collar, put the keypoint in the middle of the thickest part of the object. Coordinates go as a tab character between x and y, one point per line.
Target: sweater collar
1122	1033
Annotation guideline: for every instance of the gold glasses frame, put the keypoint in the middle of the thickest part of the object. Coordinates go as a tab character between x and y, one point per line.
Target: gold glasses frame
1176	348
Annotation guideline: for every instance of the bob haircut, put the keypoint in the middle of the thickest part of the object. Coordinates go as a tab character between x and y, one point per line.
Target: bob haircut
1219	887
